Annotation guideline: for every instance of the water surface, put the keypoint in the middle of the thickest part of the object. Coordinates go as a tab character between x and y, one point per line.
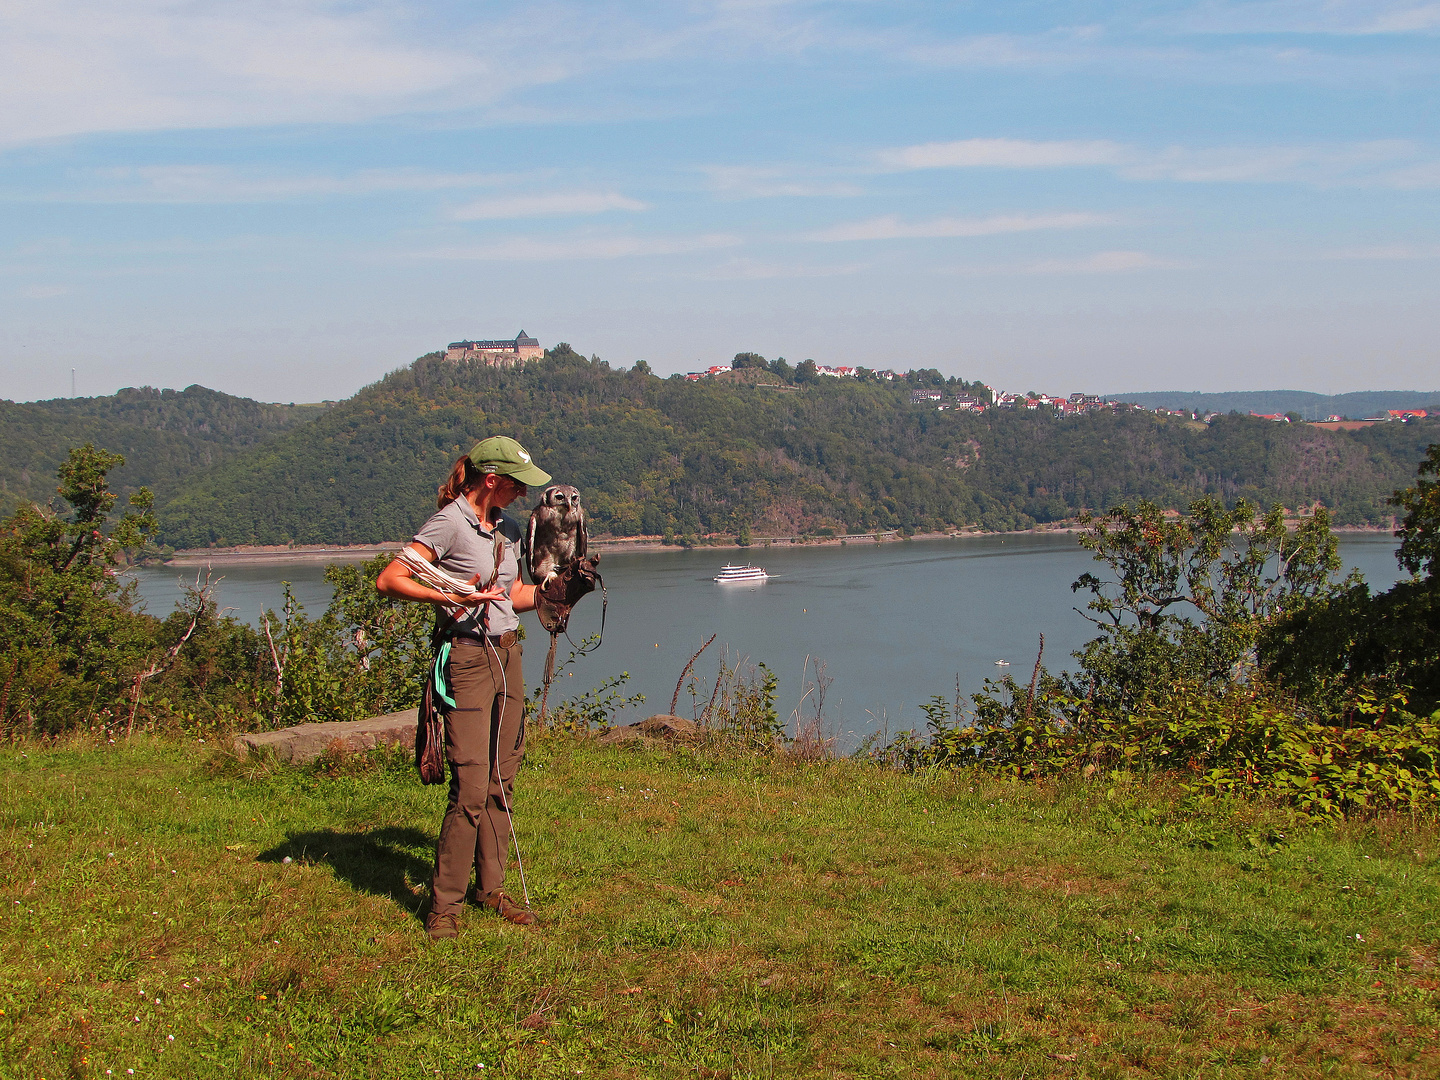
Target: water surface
893	624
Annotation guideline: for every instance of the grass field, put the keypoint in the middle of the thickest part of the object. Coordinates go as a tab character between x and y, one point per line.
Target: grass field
171	913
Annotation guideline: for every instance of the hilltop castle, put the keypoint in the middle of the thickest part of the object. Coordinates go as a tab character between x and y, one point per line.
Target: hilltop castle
496	353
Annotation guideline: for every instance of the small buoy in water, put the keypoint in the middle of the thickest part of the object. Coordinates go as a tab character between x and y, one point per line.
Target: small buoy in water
1002	663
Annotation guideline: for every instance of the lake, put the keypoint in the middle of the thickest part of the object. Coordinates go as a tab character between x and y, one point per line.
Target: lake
893	623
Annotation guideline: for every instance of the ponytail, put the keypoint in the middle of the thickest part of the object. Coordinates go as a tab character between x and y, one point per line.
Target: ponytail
462	478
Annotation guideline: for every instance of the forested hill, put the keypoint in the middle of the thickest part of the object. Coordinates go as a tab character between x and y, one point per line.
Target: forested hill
653	455
165	436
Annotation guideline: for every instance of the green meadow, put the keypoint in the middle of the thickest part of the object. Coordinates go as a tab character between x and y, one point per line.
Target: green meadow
169	911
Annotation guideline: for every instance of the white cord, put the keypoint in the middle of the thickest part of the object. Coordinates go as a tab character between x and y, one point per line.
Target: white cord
437	579
514	837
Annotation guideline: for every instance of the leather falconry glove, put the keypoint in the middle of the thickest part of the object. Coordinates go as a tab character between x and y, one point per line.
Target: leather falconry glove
555	600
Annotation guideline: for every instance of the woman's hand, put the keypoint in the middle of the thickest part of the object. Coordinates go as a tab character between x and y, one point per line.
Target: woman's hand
474	597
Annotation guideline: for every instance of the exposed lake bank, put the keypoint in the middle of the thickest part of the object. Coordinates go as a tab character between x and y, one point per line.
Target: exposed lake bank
260	554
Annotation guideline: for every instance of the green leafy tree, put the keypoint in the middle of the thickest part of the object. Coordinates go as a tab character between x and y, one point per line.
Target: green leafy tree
1354	642
72	641
1419	532
1189	595
388	642
749	360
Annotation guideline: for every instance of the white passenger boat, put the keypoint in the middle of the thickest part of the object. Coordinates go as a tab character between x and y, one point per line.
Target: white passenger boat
740	573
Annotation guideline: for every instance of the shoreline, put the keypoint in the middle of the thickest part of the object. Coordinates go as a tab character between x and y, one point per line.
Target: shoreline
253	555
248	555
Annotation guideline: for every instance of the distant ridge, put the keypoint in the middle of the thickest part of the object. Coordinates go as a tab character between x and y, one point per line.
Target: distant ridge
1310	406
164	435
835	456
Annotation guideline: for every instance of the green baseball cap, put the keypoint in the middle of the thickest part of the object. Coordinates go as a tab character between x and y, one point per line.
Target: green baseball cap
499	454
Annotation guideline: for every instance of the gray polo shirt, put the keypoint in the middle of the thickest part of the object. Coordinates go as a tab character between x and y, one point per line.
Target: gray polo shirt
462	547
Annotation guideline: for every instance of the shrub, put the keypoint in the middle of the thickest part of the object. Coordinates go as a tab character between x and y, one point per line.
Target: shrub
1246	739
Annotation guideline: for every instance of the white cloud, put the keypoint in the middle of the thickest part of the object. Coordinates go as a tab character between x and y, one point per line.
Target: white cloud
1363	164
1331	17
565	249
1393	163
1001	153
73	67
1425	175
553	204
1188	48
1104	262
757	270
779	181
217	184
78	66
1387	253
890	227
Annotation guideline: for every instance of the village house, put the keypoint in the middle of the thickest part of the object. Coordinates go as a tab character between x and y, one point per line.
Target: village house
713	369
497	353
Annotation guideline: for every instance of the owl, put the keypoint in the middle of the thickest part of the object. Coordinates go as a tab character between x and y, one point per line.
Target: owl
557	533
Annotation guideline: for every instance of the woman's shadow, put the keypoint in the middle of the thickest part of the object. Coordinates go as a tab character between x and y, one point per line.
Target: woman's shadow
381	861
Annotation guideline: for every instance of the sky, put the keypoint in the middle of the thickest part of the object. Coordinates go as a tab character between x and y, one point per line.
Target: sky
286	199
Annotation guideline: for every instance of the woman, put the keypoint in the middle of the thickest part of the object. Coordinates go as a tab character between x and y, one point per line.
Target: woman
484	732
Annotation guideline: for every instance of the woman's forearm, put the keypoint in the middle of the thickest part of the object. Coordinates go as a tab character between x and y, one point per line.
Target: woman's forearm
397	582
403	587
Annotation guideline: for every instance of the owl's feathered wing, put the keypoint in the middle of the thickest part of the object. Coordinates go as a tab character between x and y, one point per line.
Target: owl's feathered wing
530	547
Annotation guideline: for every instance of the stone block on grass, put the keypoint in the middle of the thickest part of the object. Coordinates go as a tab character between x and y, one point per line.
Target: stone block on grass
660	726
306	741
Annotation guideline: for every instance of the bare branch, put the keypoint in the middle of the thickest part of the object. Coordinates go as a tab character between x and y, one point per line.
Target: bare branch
274	657
675	699
199	599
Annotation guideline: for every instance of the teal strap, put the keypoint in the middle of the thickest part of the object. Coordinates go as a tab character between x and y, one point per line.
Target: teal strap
437	672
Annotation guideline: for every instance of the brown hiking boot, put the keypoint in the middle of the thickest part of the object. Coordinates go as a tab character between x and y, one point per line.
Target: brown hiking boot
442	926
507	909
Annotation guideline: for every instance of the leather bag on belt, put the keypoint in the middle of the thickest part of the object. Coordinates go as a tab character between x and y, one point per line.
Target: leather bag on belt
430	725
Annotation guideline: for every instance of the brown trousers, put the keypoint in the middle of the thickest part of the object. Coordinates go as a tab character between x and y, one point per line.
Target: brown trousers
484	742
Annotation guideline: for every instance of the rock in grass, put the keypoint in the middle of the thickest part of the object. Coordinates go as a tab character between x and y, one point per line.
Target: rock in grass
660	726
306	741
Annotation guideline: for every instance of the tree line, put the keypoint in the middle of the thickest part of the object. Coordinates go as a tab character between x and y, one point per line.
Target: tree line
684	459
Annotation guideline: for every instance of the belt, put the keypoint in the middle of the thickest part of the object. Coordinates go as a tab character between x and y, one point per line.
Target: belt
500	641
